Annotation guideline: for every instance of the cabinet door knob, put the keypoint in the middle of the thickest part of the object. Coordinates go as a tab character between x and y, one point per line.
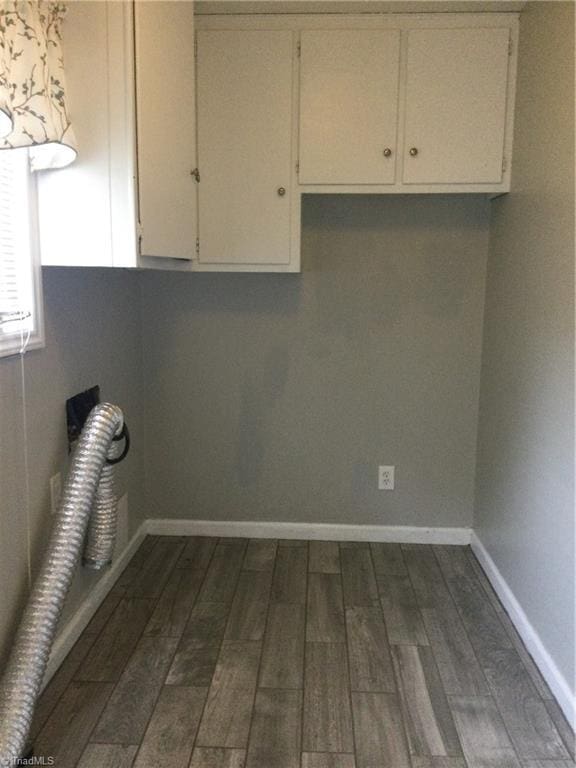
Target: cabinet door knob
281	191
413	151
387	152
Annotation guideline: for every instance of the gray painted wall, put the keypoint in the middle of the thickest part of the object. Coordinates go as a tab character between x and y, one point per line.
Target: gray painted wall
525	485
92	336
275	397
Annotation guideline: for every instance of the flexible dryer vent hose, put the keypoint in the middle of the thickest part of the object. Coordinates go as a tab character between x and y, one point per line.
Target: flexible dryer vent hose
22	681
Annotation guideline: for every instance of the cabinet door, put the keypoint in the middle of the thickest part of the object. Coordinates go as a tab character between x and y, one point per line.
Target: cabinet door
455	105
82	189
166	120
245	146
348	106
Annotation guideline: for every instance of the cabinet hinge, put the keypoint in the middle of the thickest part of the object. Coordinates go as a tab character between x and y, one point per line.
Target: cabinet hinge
197	246
510	47
297	168
195	47
299	49
195	172
504	164
139	245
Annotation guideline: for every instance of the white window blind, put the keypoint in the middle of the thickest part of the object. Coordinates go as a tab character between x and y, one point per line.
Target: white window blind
20	309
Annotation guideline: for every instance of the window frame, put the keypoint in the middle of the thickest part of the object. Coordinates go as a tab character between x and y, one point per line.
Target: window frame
18	341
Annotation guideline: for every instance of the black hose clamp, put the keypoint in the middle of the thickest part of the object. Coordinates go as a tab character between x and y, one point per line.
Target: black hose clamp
124	435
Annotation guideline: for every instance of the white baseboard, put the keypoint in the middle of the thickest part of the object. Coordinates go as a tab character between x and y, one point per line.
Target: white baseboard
72	630
532	640
316	531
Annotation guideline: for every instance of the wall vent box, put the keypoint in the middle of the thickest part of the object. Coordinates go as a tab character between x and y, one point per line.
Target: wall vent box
77	411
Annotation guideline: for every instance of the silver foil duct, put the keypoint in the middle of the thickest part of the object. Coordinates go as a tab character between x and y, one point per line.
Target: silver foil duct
22	679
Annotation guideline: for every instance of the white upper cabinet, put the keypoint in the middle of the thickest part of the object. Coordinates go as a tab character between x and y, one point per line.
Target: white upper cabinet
125	61
413	103
197	137
349	106
456	86
246	190
166	128
87	210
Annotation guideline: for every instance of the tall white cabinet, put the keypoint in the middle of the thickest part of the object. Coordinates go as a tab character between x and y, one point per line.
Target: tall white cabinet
87	211
245	153
129	199
166	129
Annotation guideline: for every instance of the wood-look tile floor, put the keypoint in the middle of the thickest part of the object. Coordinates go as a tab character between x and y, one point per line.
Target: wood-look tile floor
237	653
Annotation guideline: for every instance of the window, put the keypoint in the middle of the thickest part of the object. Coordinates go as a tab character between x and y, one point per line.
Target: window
21	323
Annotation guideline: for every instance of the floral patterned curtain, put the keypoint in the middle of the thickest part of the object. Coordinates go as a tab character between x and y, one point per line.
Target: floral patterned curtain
33	110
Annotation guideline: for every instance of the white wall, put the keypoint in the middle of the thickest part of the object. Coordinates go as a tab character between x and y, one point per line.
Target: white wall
92	337
525	483
275	397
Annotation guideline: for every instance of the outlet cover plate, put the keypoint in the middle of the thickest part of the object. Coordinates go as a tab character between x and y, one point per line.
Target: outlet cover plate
386	478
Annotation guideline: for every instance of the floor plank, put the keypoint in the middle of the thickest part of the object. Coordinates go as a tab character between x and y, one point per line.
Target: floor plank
327	760
193	665
324	557
170	735
174	606
207	623
223	572
562	726
438	762
402	615
368	651
482	733
215	757
109	654
289	584
197	553
143	552
126	578
59	683
460	672
127	713
429	584
482	624
388	559
247	619
378	731
282	664
427	717
358	577
524	713
327	714
226	719
104	612
108	756
68	729
325	609
532	669
157	567
547	764
275	735
260	555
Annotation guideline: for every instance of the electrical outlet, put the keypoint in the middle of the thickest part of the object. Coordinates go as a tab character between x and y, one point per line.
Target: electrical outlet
385	478
55	492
